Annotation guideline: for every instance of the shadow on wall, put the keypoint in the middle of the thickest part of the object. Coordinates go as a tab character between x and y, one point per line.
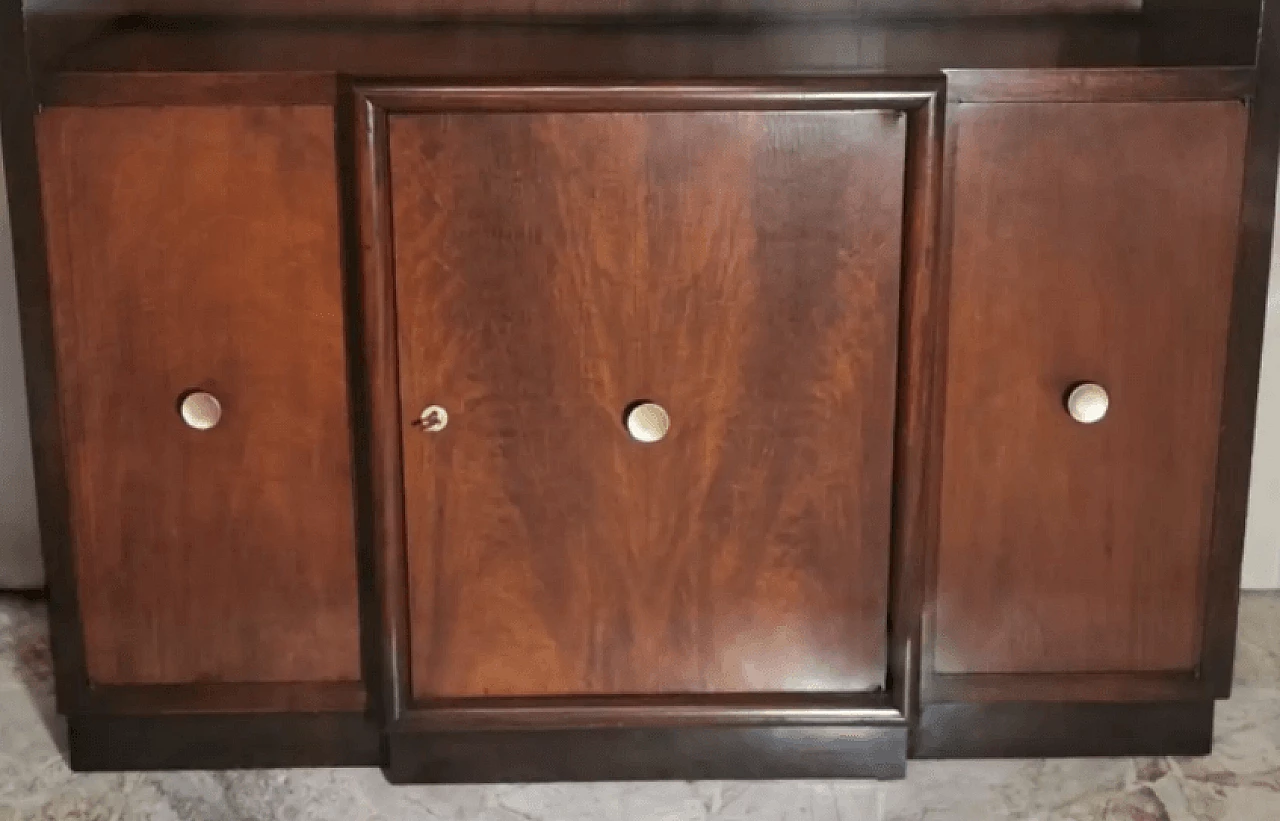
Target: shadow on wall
19	534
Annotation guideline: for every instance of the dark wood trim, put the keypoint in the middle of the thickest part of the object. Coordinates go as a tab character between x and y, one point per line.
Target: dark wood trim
800	94
718	46
455	715
1053	687
168	699
52	35
222	742
378	360
919	98
920	386
686	753
347	145
178	88
1040	730
1099	85
927	528
1244	361
17	131
189	88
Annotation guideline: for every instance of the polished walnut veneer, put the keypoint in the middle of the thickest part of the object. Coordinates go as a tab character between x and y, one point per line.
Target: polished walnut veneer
595	389
740	269
252	314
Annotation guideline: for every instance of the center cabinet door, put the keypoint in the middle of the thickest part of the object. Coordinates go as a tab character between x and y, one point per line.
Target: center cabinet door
740	270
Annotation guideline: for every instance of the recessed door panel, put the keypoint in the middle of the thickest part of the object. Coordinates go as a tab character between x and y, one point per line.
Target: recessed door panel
739	272
1092	270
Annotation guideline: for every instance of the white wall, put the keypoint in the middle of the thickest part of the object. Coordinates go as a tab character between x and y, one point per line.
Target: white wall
1262	542
19	535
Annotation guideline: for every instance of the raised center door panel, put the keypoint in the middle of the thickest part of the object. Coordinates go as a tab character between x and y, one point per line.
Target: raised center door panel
739	269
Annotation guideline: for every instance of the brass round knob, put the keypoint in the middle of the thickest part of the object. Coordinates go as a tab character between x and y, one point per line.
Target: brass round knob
1088	403
648	422
200	410
433	419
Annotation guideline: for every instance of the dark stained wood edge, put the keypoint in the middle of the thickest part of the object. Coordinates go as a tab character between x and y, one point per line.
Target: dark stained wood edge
1040	730
925	530
687	753
920	384
1099	85
52	36
1053	687
220	742
347	147
378	361
1244	360
920	98
801	93
601	712
17	131
166	699
188	88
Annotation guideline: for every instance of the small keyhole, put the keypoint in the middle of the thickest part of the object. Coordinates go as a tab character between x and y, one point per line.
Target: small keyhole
433	419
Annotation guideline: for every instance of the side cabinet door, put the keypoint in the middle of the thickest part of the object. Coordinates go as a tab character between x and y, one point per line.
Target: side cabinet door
1094	243
739	269
196	249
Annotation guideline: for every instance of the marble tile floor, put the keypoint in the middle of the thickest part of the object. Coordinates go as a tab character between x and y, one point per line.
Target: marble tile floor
1239	782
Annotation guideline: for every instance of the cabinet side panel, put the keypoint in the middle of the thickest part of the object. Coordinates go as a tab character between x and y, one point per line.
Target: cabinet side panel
1092	242
198	248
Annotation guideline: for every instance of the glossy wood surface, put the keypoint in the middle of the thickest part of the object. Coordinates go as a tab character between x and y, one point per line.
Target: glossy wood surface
1091	242
651	753
373	48
741	269
198	248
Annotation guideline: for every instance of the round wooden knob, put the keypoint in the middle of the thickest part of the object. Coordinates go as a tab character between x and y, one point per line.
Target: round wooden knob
1088	403
200	410
648	422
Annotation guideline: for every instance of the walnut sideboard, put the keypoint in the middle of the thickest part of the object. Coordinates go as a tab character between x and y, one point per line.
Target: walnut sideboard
596	389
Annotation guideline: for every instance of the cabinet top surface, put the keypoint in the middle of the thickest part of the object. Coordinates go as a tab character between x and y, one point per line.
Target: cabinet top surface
397	49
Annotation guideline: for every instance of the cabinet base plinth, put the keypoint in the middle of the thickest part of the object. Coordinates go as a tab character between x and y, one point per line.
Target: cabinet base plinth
1037	730
683	753
220	742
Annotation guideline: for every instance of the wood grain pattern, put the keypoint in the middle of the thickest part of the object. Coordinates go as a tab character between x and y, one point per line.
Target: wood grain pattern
741	269
1091	242
198	248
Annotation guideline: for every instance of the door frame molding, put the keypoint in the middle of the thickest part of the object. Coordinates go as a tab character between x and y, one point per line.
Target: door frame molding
379	427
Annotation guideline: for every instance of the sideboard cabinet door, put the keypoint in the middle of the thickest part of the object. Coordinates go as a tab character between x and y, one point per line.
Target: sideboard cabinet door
1092	264
195	273
667	348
